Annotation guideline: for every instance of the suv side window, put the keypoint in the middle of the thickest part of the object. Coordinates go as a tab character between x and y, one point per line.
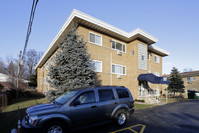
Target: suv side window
105	95
122	93
86	97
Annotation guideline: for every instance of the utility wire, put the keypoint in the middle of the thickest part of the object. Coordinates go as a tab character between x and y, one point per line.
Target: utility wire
34	5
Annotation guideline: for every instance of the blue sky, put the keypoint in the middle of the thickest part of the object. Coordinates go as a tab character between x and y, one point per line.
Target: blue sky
174	22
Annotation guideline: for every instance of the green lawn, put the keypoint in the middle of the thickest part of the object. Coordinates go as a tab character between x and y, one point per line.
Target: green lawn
9	117
143	106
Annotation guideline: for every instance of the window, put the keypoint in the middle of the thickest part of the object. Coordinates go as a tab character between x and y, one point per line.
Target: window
96	39
86	97
132	52
190	78
149	55
118	46
156	59
106	95
118	69
157	74
122	93
46	79
156	92
47	65
97	65
142	57
51	60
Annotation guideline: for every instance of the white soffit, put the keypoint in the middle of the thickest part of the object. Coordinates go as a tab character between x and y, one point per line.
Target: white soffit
159	50
81	15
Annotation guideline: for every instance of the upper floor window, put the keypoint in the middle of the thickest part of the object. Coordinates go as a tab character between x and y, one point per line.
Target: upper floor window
118	69
149	55
190	78
51	60
96	39
142	57
47	65
156	59
118	46
97	65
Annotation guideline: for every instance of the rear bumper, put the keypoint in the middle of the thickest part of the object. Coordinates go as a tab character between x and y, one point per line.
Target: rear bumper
30	129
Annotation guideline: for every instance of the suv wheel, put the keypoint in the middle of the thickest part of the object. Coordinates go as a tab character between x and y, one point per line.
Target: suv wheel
121	117
54	127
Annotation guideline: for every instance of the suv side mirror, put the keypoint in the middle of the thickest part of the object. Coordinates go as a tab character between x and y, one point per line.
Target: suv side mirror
75	103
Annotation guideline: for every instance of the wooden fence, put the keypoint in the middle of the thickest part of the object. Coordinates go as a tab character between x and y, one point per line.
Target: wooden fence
3	101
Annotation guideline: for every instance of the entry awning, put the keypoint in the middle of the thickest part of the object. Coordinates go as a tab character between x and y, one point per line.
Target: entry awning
153	78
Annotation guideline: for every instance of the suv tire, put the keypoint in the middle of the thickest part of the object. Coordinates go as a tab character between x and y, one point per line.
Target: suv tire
54	127
120	117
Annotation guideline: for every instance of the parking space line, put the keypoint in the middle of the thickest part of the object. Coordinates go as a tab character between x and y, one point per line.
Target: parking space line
130	128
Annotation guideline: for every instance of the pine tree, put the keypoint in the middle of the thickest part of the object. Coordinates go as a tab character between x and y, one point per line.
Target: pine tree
176	83
71	69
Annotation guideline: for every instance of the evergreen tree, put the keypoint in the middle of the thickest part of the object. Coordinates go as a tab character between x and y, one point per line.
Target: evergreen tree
176	83
71	69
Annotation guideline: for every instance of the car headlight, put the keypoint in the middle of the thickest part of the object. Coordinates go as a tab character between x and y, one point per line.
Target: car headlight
32	120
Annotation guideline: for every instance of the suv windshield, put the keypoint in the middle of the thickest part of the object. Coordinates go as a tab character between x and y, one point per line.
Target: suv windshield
65	97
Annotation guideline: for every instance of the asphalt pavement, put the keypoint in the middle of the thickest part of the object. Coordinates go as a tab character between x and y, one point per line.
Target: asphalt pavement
179	117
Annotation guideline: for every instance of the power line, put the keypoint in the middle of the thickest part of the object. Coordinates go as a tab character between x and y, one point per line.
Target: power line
34	5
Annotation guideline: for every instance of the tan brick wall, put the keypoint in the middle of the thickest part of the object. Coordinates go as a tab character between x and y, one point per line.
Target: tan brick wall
106	54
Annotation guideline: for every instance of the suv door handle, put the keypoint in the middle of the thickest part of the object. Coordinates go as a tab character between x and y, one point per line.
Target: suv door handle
94	106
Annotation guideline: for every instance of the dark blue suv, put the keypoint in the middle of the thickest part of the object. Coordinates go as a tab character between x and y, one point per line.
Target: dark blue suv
78	108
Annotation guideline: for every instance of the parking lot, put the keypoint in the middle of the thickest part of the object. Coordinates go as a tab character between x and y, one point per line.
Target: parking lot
180	117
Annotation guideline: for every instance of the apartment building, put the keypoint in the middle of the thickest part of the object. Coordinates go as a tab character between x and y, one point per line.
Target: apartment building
119	57
191	82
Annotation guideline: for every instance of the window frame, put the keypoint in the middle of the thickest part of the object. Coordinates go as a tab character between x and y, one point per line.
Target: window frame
83	93
120	66
95	38
148	55
155	59
106	90
100	65
157	74
123	44
117	89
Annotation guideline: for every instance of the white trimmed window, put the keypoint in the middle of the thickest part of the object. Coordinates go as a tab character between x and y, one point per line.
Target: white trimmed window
157	73
118	69
95	38
149	54
118	46
156	59
156	92
51	60
97	65
190	78
47	65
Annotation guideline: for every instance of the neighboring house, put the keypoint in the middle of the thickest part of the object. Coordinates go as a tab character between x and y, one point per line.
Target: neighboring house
191	81
119	57
5	82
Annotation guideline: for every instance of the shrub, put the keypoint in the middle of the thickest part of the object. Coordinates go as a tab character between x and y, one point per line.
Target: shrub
140	100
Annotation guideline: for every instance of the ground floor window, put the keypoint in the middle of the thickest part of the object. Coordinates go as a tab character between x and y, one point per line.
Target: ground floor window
156	92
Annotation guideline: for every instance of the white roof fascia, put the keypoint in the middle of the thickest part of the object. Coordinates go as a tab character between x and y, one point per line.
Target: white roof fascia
76	13
159	49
